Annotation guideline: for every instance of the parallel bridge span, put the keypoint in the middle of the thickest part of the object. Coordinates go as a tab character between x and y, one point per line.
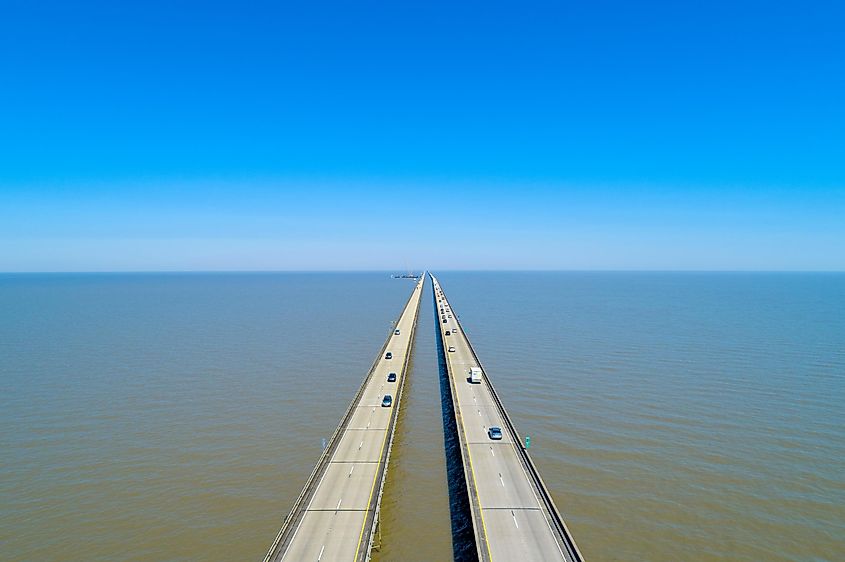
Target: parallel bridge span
514	516
336	515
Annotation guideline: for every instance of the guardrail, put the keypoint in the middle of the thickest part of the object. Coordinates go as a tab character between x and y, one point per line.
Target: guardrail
531	469
331	446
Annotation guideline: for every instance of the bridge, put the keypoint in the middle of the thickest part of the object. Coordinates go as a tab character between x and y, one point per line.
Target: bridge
336	515
513	514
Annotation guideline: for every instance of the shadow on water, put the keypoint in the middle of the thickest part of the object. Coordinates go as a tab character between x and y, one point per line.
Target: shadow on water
463	538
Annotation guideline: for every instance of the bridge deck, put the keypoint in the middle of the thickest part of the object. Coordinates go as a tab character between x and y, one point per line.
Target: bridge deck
336	514
514	517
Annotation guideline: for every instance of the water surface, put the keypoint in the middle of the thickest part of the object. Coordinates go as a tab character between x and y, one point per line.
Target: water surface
176	417
675	416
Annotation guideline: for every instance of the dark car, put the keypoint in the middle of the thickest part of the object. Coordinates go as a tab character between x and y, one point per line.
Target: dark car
387	401
495	433
391	377
388	355
444	320
448	333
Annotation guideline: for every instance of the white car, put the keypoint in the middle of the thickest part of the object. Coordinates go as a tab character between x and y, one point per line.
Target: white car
451	348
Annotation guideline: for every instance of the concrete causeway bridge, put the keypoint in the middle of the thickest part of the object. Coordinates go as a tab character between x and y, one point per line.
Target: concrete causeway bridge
336	515
513	514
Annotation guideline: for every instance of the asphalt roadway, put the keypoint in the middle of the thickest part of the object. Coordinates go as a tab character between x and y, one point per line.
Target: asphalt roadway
511	522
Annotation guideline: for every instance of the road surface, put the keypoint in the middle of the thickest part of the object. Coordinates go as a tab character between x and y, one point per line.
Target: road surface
513	514
336	515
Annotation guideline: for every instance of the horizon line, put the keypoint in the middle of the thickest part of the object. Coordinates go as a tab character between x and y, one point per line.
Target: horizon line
423	271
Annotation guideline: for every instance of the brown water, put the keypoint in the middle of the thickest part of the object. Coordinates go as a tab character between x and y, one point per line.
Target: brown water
176	417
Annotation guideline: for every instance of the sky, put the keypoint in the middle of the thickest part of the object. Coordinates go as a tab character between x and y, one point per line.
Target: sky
176	136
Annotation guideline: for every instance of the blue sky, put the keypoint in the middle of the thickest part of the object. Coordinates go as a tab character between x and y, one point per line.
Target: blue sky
491	135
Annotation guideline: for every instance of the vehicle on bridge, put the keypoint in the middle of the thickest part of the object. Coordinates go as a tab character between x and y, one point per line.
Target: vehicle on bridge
495	433
475	375
388	355
391	377
387	401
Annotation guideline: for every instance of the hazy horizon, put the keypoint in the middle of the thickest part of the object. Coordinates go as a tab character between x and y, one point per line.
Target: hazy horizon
399	272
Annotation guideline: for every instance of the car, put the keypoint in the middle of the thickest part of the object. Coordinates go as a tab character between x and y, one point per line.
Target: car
448	333
495	433
450	316
391	377
396	332
387	401
444	320
388	355
451	348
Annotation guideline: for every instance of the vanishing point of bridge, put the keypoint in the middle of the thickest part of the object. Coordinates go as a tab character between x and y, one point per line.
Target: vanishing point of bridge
336	516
